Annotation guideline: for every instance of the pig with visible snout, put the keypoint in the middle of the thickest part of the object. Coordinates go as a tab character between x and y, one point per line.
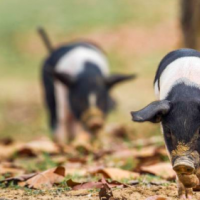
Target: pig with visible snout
77	88
177	86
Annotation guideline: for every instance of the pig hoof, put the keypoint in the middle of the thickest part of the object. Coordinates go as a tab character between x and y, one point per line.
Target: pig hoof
189	193
182	196
189	197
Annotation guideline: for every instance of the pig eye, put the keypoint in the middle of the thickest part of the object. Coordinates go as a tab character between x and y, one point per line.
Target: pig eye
169	135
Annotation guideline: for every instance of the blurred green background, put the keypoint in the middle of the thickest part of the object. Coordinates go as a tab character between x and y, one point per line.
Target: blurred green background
135	34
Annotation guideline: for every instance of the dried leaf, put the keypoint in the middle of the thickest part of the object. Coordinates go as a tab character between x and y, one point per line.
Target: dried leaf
41	145
99	154
19	179
141	153
83	138
26	152
116	173
11	170
162	151
126	153
117	184
82	143
78	159
60	171
156	198
7	151
90	185
9	164
6	141
117	130
47	178
147	161
163	170
197	188
145	152
72	183
85	185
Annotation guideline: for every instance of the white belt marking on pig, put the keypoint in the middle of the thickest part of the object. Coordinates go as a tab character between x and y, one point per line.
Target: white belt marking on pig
92	100
183	70
72	62
156	89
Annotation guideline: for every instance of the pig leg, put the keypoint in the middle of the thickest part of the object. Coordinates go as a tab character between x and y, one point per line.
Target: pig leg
78	128
60	132
181	189
66	128
62	110
71	124
189	193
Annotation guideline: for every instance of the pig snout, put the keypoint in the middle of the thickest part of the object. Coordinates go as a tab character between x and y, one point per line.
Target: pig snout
184	165
187	163
95	124
93	119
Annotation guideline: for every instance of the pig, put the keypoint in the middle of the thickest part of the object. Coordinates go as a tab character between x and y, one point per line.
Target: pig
77	86
177	88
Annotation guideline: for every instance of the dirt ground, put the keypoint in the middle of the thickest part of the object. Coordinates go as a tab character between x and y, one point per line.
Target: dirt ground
141	192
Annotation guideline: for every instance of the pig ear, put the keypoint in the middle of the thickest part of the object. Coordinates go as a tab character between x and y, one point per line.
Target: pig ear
153	112
64	78
117	78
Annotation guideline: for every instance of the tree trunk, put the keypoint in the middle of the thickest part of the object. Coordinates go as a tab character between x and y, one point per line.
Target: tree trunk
190	23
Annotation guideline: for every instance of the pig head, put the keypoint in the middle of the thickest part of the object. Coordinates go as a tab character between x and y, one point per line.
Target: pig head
89	95
180	122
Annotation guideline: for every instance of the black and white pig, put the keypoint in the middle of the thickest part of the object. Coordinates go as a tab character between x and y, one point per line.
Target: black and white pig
177	87
77	88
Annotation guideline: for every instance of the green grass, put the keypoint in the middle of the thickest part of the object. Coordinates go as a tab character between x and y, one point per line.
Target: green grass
21	53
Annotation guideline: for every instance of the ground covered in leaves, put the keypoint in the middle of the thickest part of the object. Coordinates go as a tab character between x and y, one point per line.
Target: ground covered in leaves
111	166
141	192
